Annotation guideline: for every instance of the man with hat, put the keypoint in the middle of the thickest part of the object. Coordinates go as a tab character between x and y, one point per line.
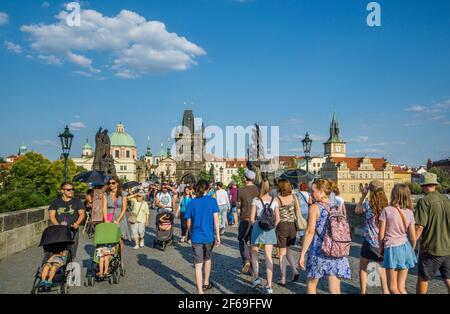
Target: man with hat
245	197
432	217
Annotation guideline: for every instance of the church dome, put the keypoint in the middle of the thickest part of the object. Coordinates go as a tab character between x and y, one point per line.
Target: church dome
120	138
87	146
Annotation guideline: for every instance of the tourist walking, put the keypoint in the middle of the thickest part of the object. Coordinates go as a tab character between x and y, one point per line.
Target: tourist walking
319	265
433	226
304	200
370	250
396	221
224	205
181	212
264	208
138	218
114	209
246	195
69	211
233	202
286	231
202	216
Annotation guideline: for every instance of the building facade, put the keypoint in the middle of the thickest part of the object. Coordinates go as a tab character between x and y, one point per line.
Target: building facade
123	151
350	172
190	149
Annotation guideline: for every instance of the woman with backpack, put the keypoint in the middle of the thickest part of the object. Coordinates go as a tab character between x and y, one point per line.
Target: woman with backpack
323	263
370	251
396	221
264	218
286	230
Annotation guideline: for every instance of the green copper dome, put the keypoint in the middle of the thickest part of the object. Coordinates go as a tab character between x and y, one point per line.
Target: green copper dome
87	146
121	138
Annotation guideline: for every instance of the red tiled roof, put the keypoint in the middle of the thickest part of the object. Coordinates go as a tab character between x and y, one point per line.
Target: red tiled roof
400	170
354	162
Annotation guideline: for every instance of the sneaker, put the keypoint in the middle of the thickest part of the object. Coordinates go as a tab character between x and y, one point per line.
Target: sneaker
183	239
141	243
256	283
246	267
222	231
136	247
268	290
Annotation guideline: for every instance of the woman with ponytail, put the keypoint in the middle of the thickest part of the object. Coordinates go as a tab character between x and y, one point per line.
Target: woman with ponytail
370	251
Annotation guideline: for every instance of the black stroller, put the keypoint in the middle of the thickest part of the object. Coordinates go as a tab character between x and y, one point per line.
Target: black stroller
54	240
164	229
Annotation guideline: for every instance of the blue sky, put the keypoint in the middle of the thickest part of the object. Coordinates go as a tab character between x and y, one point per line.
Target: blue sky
290	63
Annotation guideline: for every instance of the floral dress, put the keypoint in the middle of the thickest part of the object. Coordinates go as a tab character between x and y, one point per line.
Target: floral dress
319	265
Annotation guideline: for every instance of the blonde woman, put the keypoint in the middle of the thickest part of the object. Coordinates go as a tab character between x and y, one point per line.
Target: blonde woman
267	238
370	251
396	221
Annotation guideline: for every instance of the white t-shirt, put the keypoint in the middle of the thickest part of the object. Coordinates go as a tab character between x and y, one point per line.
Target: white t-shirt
259	207
304	206
165	200
222	197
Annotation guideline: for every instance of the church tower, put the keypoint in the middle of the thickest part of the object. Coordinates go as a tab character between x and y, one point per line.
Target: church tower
334	147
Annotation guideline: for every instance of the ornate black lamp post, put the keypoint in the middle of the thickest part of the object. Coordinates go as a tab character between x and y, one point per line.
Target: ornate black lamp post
307	142
221	174
66	144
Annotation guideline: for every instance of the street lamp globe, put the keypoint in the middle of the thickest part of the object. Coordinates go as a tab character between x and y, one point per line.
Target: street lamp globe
66	139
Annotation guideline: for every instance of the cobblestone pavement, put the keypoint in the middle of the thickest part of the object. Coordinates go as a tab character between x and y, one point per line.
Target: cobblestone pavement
150	270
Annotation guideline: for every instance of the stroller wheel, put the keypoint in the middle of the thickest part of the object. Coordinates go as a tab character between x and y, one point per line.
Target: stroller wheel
116	277
122	272
110	280
35	290
163	246
91	281
62	289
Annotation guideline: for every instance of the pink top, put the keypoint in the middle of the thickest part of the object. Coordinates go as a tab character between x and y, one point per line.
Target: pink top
395	231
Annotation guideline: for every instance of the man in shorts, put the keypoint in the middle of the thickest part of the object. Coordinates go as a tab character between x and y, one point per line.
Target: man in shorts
202	216
432	217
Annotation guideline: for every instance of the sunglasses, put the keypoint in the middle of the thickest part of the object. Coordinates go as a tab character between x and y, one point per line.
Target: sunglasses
68	190
111	183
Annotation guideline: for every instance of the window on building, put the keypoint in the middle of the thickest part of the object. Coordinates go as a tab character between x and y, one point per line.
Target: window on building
125	168
353	188
343	188
116	154
128	154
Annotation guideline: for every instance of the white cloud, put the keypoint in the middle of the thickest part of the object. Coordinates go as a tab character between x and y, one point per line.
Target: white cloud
416	108
361	139
75	126
4	18
82	61
45	4
50	59
388	143
368	151
14	48
136	46
44	143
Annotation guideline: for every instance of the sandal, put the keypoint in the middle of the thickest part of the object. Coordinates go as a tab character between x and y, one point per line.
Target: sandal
296	277
281	284
207	287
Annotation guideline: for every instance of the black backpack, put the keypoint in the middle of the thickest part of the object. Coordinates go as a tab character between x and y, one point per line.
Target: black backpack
266	220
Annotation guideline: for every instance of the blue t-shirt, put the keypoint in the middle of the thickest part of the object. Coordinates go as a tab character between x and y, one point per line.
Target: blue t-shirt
201	213
184	203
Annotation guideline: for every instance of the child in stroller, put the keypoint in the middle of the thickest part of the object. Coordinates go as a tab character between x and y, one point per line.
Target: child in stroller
56	241
106	262
164	229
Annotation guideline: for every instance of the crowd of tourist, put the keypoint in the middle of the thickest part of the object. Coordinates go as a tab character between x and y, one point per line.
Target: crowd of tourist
274	218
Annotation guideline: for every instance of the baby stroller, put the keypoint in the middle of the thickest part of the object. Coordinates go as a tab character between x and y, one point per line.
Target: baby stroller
164	229
107	236
54	240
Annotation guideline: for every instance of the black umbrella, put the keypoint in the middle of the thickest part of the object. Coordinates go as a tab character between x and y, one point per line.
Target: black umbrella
130	185
98	177
297	176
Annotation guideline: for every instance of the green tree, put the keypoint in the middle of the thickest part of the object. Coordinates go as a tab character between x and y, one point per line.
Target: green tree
204	175
34	181
239	177
2	159
442	176
415	188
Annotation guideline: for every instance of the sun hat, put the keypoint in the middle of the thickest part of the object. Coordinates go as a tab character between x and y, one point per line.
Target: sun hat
428	178
250	175
376	185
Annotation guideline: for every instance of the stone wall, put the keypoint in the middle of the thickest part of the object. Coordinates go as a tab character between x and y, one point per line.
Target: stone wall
21	229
